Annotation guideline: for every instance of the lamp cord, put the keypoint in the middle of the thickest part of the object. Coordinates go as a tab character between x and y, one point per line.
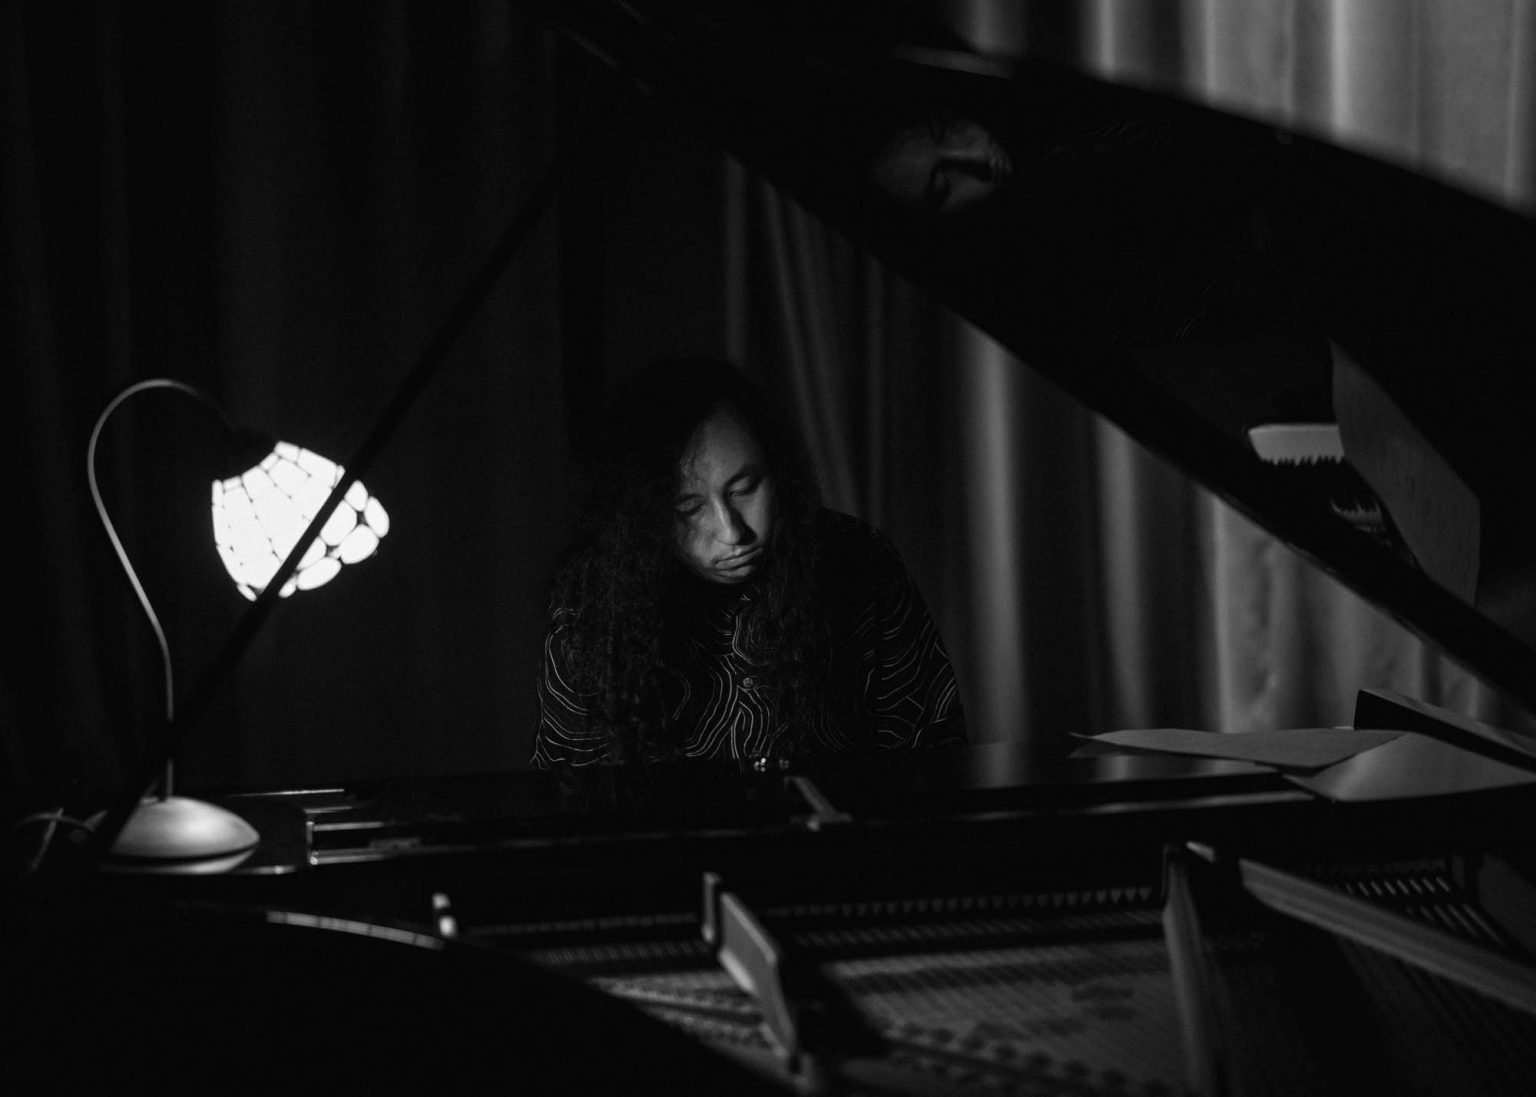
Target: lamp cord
117	544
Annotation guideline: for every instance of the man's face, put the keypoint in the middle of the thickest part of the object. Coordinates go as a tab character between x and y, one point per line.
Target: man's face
942	167
724	502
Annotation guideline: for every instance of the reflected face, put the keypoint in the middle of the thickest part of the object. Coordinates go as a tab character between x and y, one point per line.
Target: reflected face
943	166
724	503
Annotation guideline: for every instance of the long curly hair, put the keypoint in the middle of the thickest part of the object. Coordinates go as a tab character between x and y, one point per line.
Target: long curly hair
633	599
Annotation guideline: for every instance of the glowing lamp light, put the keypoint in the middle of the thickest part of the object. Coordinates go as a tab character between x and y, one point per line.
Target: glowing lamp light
259	516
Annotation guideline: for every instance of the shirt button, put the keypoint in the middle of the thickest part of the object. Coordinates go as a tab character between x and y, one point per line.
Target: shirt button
748	682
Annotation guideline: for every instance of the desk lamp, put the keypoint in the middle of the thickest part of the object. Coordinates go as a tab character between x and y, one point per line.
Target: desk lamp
258	518
257	581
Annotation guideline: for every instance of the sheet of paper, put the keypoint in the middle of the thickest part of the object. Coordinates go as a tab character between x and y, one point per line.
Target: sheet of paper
1412	765
1287	748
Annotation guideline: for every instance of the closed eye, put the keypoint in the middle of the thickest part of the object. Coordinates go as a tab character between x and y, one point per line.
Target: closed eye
939	183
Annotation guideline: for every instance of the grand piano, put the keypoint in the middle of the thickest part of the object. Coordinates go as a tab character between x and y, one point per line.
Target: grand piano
1121	917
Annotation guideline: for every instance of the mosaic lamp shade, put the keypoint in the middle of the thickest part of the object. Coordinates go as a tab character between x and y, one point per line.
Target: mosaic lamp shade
259	516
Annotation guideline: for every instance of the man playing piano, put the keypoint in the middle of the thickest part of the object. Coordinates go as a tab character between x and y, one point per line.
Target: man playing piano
714	610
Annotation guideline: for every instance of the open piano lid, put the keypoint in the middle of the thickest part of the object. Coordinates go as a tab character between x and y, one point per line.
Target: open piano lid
1191	275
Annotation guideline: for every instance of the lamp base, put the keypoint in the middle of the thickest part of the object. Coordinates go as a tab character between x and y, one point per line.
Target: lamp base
177	828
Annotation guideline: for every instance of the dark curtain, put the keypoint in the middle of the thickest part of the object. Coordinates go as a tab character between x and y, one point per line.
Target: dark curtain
279	203
282	203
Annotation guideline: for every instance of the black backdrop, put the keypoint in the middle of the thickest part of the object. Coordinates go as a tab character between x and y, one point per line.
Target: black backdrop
280	203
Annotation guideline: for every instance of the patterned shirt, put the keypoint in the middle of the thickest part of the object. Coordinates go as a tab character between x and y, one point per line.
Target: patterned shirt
902	685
